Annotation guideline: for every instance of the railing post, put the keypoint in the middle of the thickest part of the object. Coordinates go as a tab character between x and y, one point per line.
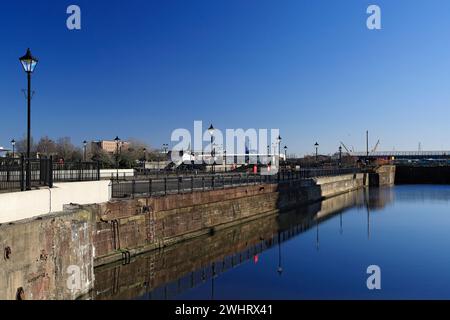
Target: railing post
180	180
22	176
50	172
80	171
150	187
203	183
192	184
98	170
212	182
165	186
133	188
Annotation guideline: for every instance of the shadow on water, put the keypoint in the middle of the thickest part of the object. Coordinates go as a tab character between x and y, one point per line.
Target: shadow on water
165	273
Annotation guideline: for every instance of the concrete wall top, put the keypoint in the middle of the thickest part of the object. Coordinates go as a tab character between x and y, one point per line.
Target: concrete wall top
16	206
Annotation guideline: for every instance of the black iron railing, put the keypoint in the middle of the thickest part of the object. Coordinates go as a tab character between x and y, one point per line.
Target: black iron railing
187	184
43	172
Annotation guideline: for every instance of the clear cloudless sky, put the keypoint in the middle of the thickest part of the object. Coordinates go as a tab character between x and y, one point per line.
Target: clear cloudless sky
140	69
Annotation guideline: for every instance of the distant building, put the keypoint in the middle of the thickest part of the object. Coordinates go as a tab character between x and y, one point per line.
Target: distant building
110	145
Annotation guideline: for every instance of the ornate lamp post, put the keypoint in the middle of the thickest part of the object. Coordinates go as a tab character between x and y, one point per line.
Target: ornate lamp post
317	151
144	150
117	140
285	156
13	144
211	132
84	150
340	156
29	64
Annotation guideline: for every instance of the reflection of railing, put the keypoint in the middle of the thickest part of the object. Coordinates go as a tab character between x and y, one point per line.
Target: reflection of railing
186	184
215	268
43	172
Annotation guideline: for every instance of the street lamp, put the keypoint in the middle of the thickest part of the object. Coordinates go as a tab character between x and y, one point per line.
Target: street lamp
165	148
84	150
317	151
29	64
285	156
144	150
340	156
211	132
13	143
117	140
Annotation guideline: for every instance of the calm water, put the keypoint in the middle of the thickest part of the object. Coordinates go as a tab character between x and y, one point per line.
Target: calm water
318	252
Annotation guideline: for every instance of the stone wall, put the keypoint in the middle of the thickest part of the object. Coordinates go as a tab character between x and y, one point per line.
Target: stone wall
190	263
139	225
36	254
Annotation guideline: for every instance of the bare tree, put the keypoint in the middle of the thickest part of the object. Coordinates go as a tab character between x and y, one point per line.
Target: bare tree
46	146
66	150
21	146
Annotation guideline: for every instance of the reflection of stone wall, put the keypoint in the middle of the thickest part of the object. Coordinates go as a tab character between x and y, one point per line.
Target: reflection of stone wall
40	252
184	264
140	225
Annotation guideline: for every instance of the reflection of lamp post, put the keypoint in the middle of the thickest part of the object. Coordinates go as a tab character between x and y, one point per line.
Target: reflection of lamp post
317	235
13	143
211	132
280	269
84	150
29	64
317	151
117	140
212	279
341	230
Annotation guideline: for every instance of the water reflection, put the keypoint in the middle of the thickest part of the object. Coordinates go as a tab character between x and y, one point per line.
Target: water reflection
167	273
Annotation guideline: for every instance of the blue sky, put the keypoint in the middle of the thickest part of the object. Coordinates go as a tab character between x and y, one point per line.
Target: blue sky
311	68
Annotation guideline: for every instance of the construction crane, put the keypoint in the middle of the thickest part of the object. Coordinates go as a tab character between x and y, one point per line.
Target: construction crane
345	147
376	146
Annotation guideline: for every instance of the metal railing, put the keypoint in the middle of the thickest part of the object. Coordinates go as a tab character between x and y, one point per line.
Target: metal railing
43	172
187	184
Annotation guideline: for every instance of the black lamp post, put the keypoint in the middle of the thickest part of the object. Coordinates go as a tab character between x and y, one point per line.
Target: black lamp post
144	150
317	151
340	156
29	64
117	140
279	147
84	150
13	143
211	132
285	156
165	148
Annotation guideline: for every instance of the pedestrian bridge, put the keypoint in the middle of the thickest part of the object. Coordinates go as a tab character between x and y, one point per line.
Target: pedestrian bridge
394	155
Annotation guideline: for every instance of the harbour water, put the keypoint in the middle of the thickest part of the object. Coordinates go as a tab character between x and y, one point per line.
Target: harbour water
317	252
